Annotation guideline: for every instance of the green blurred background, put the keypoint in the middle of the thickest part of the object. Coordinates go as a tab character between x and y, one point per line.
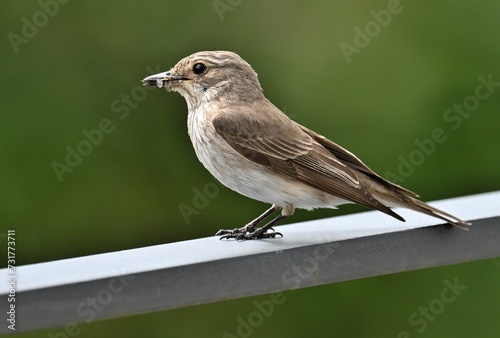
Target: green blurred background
126	193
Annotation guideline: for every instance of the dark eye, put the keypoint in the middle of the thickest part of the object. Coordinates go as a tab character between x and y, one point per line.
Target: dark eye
199	68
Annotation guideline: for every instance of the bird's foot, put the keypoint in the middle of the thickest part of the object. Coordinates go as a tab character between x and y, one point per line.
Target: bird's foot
248	232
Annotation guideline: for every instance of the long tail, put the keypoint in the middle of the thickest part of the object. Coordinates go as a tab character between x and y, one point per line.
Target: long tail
414	204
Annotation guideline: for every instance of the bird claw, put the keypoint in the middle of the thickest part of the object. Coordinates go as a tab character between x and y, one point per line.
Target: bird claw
242	234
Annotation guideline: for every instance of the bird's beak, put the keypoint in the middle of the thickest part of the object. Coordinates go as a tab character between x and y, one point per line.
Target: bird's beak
160	79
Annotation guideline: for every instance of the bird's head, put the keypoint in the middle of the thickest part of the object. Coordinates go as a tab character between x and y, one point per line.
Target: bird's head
207	76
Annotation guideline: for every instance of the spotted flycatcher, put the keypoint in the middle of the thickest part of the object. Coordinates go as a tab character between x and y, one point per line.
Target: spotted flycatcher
253	148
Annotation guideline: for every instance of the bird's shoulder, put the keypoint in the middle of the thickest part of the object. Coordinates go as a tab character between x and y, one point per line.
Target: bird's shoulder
262	127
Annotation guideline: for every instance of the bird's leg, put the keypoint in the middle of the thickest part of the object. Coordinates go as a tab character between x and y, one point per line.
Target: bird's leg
250	227
262	232
249	231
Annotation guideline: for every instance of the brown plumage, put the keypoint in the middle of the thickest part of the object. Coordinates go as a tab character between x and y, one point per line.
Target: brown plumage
253	148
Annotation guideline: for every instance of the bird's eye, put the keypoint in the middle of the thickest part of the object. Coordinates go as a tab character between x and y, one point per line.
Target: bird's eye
199	68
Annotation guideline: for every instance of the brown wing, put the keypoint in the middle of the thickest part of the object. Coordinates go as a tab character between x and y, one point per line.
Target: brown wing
352	161
264	135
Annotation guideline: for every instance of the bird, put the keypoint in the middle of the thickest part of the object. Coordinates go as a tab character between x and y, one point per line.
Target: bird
255	149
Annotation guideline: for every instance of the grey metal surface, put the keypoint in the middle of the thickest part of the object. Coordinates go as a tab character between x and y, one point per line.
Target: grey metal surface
67	292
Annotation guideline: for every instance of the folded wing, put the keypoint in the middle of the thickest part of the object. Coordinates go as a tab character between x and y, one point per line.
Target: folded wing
278	144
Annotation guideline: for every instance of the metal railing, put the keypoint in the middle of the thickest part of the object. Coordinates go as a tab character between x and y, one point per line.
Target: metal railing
71	291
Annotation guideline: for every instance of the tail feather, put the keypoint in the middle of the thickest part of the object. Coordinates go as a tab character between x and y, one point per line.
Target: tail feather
391	197
416	205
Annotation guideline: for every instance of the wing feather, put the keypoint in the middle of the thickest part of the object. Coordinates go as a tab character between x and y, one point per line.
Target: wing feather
351	160
284	147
